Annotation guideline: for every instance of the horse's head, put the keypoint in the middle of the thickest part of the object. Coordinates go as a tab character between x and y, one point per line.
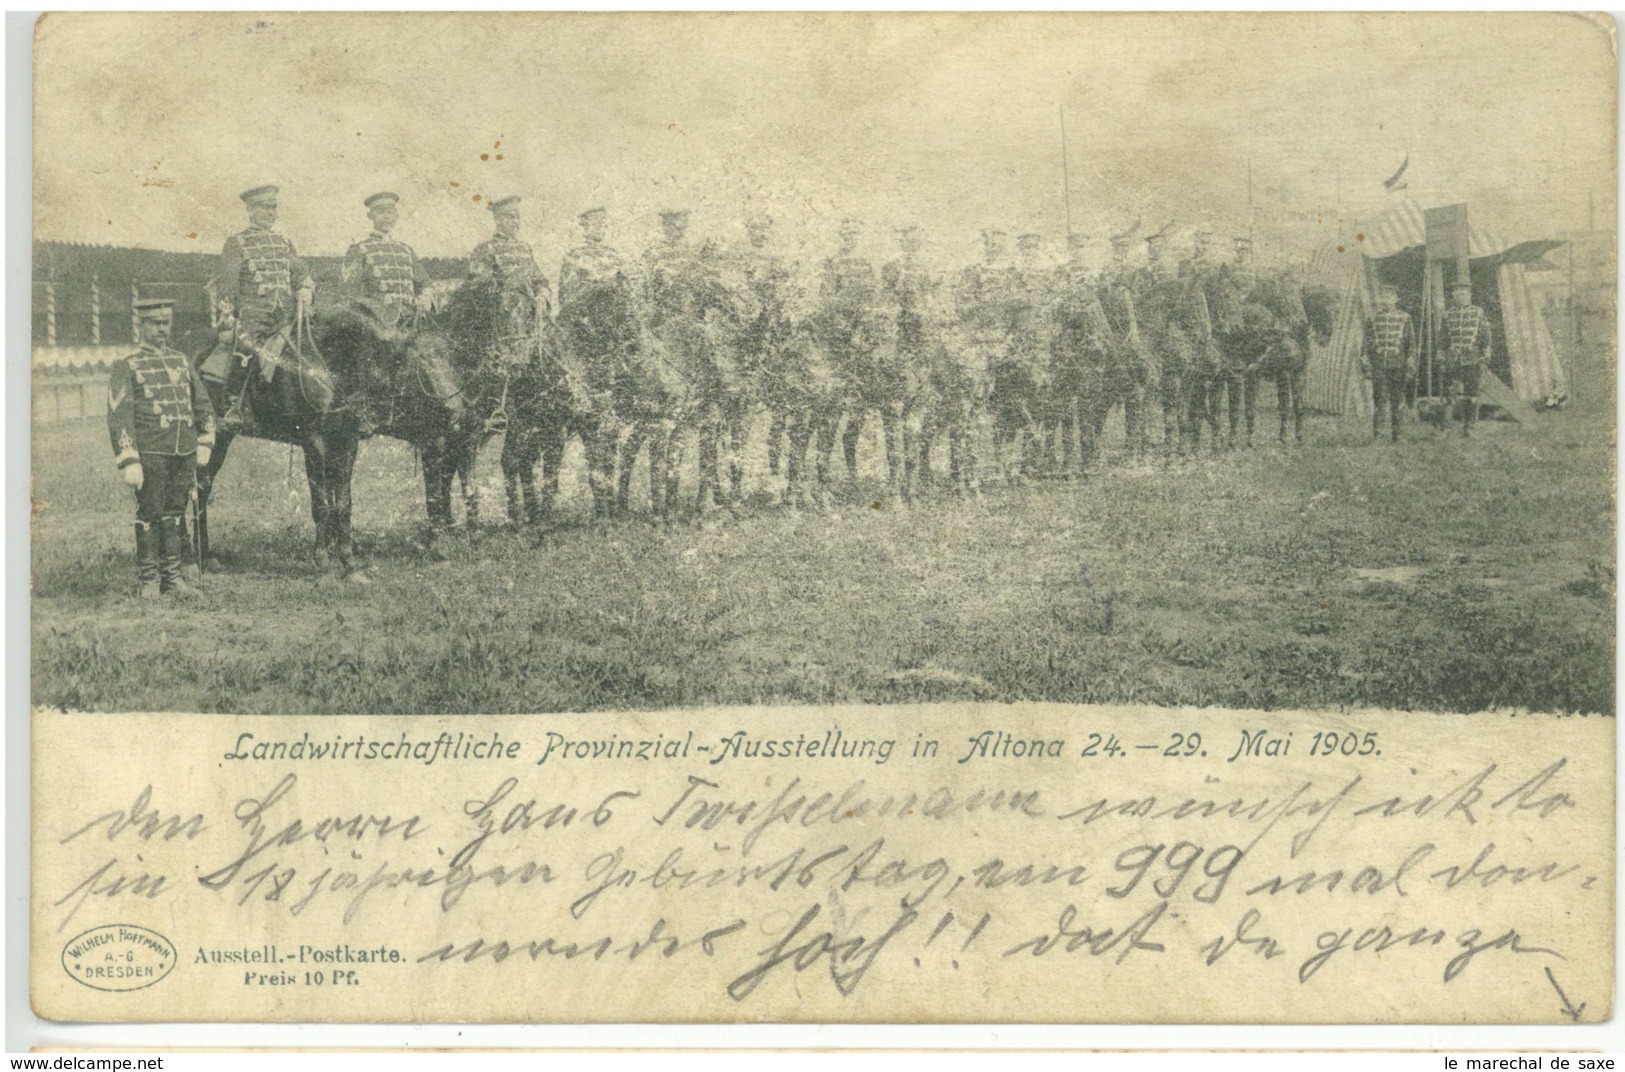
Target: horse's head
1320	306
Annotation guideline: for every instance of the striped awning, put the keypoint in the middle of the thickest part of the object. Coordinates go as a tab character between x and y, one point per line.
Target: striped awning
1403	227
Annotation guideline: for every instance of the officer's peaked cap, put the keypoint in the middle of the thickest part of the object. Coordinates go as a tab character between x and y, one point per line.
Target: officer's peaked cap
152	307
380	198
259	194
504	202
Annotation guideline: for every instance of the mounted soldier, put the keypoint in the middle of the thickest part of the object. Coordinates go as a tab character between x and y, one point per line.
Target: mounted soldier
384	277
1467	335
1160	301
771	278
598	318
1133	369
383	273
915	290
162	427
506	263
848	295
1081	356
1211	312
260	285
1226	286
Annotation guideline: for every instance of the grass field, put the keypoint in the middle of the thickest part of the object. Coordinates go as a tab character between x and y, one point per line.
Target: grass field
1437	575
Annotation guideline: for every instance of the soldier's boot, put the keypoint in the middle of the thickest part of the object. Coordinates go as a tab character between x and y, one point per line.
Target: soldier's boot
146	561
236	393
1469	413
171	546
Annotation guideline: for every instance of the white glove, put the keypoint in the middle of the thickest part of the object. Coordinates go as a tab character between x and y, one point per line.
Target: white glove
133	475
425	302
306	295
203	456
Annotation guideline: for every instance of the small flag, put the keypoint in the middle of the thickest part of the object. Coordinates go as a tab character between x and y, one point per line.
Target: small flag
1397	181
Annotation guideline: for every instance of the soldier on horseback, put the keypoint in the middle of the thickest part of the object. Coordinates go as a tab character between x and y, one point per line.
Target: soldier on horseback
770	279
507	263
1159	301
1226	288
848	294
384	276
255	286
1133	368
1081	358
598	319
383	273
915	290
1212	311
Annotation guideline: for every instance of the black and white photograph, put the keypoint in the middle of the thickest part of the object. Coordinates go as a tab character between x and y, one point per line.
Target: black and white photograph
924	410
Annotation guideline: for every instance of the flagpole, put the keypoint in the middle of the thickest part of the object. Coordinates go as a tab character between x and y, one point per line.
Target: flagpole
1249	199
1066	179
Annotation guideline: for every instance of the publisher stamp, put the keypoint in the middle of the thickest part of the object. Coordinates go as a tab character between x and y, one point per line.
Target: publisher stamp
118	957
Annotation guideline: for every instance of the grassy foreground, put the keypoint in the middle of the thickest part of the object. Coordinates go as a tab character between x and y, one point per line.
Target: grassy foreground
1436	575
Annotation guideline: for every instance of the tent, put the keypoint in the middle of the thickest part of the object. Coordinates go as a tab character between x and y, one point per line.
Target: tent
1393	249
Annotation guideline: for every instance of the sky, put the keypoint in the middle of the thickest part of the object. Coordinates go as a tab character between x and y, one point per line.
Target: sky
148	126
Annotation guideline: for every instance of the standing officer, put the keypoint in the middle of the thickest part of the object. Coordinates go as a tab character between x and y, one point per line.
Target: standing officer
383	273
1389	359
1467	331
162	429
254	284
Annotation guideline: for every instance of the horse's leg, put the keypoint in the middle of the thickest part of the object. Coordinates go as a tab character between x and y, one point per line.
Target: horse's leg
553	442
825	429
1297	404
1283	401
849	438
320	497
673	433
798	430
466	452
515	460
891	434
627	457
775	434
341	480
1249	402
738	440
437	471
205	487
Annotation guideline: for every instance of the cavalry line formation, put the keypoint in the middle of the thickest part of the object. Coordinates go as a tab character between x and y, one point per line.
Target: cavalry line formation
1012	364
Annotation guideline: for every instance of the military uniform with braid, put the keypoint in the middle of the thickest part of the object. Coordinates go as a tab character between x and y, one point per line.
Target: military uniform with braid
161	426
1389	361
1467	336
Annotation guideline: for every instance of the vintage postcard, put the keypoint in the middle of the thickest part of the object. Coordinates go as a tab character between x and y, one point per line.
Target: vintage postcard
924	518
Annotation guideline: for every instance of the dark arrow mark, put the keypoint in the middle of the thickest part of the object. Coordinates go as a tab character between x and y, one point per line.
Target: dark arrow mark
1568	1007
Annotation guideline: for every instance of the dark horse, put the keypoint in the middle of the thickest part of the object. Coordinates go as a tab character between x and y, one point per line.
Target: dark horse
517	376
336	367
